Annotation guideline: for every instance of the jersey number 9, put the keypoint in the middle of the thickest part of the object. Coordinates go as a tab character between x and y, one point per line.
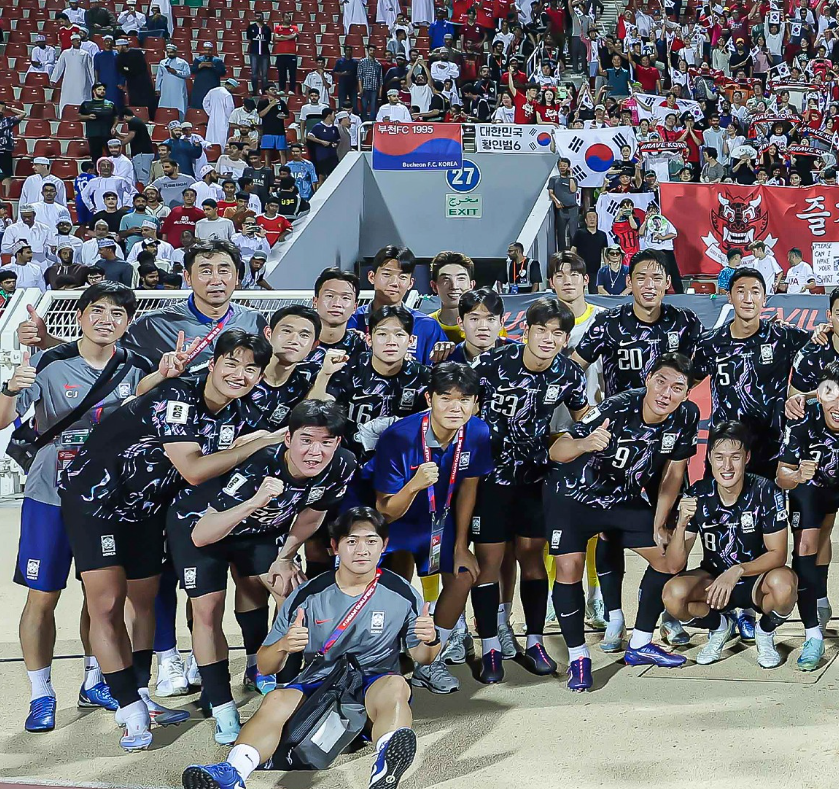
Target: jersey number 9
621	457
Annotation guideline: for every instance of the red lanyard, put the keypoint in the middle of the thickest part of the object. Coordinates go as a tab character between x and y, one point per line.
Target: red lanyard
426	454
210	337
350	616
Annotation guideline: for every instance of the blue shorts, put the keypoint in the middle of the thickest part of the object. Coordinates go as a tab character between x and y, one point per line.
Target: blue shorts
308	688
273	142
415	538
43	554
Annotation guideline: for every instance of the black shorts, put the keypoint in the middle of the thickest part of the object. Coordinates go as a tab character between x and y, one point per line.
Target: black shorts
98	542
325	167
504	512
204	570
809	505
570	524
6	166
742	595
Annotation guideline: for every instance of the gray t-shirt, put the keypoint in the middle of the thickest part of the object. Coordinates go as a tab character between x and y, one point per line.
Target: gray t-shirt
63	380
214	229
172	189
374	637
156	332
560	185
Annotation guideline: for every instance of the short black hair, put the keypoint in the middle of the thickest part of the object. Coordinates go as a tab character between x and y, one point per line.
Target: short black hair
675	361
232	339
402	255
114	292
9	274
733	252
451	259
559	259
333	272
300	311
746	272
146	268
830	372
647	256
545	309
172	279
474	298
453	376
94	270
145	258
318	413
342	526
398	311
209	202
712	152
213	247
834	297
729	431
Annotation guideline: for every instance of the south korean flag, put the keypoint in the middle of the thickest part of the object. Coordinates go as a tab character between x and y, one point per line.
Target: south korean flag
593	151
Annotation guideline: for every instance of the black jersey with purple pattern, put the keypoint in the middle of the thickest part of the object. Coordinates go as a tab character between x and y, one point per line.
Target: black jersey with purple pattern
811	439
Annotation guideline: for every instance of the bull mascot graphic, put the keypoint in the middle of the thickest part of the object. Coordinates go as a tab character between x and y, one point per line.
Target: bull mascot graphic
736	223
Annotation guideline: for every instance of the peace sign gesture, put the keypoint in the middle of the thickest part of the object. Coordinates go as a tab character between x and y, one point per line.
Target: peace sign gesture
173	363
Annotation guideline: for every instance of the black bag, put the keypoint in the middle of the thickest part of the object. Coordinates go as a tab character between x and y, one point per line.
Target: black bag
326	723
25	442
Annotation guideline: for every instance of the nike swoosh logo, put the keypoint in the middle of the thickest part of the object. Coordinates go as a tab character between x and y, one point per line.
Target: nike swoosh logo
322	621
508	389
627	440
625	344
571	614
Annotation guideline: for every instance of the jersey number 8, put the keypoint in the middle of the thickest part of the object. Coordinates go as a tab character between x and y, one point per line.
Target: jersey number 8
710	541
630	359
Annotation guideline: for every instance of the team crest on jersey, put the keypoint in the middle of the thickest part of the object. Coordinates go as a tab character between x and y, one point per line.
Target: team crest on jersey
177	413
226	436
109	545
412	344
673	341
591	416
556	536
234	483
464	460
476	525
33	567
408	397
766	354
668	441
124	390
377	622
190	574
747	522
552	395
796	520
315	494
280	413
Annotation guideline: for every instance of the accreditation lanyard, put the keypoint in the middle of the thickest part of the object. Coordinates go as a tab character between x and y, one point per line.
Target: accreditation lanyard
350	616
210	337
438	522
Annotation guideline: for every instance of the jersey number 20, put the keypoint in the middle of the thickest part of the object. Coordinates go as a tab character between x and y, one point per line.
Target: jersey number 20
630	359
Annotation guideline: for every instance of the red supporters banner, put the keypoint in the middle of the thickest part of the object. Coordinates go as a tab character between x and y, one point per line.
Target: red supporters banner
713	218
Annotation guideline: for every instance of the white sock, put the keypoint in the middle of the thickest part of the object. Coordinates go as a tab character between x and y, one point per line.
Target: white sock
223	707
251	660
575	653
42	683
92	672
245	759
723	624
144	696
488	644
823	602
167	655
445	634
135	713
594	593
504	613
761	631
616	622
813	632
639	639
532	640
461	623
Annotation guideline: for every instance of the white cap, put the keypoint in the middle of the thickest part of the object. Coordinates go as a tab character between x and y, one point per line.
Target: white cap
41	160
207	168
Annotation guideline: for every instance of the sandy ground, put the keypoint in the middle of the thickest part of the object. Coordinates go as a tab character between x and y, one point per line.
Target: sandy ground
728	725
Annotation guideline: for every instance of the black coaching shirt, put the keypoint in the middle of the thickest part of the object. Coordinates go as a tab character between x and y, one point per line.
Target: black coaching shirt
321	492
749	379
734	535
122	470
518	404
629	346
635	455
811	439
809	364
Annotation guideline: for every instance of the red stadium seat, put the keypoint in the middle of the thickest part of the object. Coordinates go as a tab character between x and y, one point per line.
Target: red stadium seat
166	114
32	94
141	112
213	152
78	149
196	116
65	169
70	112
15	188
17	50
37	128
21	148
71	206
704	286
19	36
160	133
33	78
70	130
50	148
46	111
23	168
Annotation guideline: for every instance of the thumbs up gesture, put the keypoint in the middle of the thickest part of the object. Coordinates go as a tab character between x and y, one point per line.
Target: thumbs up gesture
598	439
297	636
23	377
32	331
424	628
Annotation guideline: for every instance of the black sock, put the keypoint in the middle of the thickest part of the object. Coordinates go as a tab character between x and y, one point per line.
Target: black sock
254	627
772	621
569	604
821	589
611	566
534	601
215	682
711	621
808	581
142	666
314	569
189	619
293	666
485	601
123	685
650	604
